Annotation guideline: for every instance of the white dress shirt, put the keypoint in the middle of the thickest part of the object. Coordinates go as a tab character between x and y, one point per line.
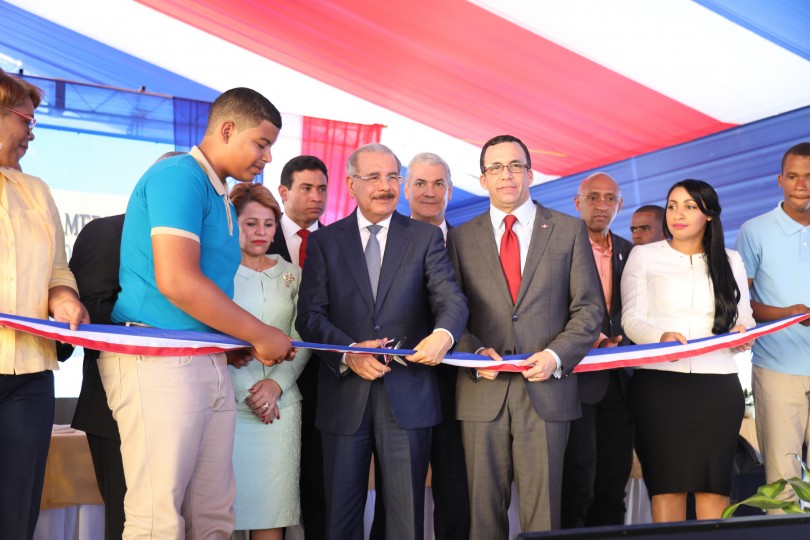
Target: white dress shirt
664	290
523	227
290	230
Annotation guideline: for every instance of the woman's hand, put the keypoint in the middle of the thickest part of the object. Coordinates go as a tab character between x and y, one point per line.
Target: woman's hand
64	305
673	336
263	400
745	346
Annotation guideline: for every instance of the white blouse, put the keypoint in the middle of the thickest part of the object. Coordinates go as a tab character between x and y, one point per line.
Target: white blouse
664	290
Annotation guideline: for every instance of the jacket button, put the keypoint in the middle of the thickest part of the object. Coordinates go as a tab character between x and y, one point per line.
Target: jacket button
376	328
515	317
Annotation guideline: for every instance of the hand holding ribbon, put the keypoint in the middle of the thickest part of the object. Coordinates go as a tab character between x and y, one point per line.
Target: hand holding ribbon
366	365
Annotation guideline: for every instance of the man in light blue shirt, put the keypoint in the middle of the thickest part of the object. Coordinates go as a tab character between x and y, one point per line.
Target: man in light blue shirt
179	255
776	250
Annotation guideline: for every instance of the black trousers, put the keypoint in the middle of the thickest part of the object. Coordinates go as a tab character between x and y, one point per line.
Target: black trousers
598	460
26	421
106	454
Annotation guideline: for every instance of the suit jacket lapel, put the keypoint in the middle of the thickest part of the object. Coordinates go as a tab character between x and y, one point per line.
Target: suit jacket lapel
489	253
351	249
280	244
399	236
543	227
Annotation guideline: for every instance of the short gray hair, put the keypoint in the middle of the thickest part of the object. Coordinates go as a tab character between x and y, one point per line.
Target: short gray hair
429	158
377	148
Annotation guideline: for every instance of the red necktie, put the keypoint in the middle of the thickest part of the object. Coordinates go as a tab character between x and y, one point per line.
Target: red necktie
510	256
302	251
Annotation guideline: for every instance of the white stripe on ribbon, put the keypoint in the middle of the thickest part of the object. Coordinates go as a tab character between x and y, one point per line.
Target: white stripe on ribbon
156	342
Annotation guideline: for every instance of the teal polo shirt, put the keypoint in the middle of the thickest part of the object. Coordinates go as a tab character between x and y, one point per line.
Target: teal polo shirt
776	253
180	195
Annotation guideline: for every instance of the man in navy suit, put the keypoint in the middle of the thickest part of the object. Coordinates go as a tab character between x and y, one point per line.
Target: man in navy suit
429	188
303	194
372	276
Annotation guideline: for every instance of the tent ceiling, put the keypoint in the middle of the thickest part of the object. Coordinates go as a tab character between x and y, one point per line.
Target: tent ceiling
584	82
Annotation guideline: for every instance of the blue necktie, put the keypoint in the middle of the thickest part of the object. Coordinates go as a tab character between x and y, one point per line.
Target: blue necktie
373	258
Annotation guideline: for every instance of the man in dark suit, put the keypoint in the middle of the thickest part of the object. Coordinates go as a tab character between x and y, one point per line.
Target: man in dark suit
370	276
94	263
599	454
303	193
429	188
529	277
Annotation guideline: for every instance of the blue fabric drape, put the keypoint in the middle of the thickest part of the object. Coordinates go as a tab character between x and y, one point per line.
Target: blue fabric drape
190	119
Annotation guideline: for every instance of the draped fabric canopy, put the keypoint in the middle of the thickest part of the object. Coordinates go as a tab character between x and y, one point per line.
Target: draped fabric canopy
455	67
473	70
587	84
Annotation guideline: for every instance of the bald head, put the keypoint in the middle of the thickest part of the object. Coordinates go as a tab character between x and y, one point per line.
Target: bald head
598	201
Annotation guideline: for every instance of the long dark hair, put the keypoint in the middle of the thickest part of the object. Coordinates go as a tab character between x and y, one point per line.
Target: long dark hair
726	291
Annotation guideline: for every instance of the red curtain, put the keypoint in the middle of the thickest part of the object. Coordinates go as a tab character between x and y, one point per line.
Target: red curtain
333	142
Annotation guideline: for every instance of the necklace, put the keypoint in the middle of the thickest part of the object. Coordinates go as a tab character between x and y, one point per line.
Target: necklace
259	265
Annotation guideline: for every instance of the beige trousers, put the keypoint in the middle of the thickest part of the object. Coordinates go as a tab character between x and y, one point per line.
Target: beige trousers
176	418
782	404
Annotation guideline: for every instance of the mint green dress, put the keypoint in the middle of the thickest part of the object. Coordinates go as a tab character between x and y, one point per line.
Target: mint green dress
267	457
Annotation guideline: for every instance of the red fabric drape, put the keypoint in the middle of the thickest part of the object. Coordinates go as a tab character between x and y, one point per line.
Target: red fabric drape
456	67
333	142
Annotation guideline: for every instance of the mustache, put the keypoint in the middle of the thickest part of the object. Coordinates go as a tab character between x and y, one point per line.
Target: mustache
383	196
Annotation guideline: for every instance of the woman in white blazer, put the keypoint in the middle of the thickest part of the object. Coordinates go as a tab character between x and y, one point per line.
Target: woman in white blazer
687	412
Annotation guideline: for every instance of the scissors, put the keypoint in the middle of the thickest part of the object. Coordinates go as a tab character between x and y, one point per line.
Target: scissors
396	358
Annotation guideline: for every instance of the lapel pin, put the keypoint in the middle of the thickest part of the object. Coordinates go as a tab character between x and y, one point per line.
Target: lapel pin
620	257
544	226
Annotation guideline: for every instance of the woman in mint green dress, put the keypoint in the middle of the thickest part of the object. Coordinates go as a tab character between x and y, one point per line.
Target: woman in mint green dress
267	445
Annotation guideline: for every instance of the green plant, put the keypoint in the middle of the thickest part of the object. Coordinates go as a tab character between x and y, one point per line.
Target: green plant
766	496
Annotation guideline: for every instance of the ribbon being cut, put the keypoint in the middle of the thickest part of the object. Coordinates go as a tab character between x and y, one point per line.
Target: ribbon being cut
138	340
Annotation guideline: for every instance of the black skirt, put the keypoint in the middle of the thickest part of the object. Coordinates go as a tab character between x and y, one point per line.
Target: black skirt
686	429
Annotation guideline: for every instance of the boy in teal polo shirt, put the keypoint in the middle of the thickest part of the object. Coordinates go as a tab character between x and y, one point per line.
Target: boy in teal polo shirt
775	248
179	254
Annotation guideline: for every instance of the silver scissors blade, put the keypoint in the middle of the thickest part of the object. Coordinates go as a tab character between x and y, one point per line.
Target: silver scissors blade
395	357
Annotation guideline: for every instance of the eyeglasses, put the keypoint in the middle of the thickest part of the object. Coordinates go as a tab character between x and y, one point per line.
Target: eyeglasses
32	122
640	228
376	178
515	167
593	198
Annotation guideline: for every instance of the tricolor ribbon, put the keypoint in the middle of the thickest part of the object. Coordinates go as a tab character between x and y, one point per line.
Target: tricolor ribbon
138	340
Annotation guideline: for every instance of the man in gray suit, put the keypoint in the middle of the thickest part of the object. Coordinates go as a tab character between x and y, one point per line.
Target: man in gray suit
529	276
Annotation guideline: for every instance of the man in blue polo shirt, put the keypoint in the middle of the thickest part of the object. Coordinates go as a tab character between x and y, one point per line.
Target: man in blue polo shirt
776	250
179	254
